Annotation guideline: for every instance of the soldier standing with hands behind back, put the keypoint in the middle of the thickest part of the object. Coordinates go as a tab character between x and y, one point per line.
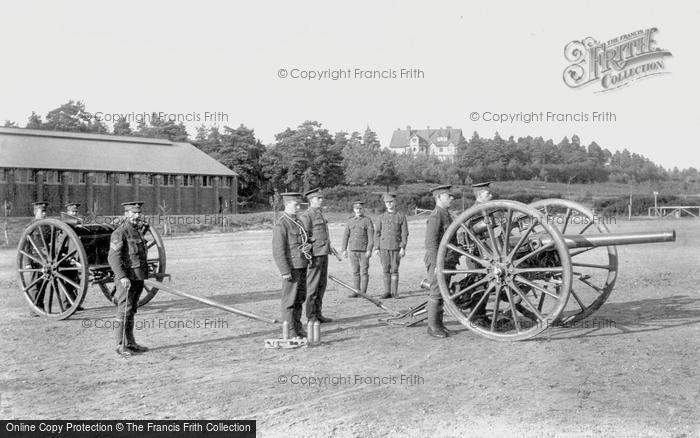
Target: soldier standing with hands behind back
359	236
128	259
391	237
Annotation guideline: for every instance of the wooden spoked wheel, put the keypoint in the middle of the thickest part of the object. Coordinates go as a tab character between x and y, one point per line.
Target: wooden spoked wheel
52	268
594	269
507	284
156	264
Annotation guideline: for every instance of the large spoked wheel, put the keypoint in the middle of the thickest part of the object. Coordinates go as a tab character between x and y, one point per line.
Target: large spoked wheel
52	267
156	261
513	274
594	269
156	265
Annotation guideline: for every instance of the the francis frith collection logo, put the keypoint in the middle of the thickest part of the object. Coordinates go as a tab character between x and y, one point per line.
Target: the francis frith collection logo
616	62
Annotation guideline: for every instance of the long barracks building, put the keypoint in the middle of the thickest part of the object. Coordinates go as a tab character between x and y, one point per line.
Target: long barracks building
102	171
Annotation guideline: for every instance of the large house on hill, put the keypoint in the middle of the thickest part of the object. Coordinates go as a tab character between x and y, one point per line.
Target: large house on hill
102	171
441	143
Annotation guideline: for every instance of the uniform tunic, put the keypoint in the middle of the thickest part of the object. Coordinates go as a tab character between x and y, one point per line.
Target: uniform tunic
438	221
390	236
287	241
359	239
317	273
359	234
128	258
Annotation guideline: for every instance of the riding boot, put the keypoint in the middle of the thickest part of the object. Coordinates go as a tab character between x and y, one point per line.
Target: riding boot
387	286
293	318
363	284
131	341
356	283
395	285
441	313
119	329
319	314
299	330
433	308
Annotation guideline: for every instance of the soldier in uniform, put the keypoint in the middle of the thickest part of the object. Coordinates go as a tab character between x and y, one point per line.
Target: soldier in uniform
482	192
438	221
317	273
71	215
391	237
39	208
291	251
359	237
128	259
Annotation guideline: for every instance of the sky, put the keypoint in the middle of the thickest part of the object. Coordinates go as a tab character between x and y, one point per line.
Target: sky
222	61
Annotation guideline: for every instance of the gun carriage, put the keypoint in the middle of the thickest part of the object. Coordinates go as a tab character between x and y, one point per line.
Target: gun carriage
508	271
58	260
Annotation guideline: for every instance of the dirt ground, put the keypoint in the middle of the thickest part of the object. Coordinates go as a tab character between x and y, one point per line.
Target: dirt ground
634	372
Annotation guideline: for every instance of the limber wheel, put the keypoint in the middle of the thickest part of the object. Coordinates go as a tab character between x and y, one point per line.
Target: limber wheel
156	265
594	269
156	261
52	267
508	285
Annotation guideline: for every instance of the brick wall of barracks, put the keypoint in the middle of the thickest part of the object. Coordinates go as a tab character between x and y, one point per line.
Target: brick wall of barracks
103	193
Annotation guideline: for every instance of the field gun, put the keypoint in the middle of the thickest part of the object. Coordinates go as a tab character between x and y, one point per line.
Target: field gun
508	270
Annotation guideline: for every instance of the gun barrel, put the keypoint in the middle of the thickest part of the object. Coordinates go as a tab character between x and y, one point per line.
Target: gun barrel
612	239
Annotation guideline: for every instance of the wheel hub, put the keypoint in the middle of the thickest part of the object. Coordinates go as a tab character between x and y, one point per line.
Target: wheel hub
501	271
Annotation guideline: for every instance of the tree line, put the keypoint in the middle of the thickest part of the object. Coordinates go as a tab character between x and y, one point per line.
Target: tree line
309	156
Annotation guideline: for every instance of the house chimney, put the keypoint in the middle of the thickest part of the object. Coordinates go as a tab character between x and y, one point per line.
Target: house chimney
408	127
448	127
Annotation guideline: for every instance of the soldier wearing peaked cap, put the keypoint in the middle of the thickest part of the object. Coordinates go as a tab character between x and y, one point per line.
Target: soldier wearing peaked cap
438	221
128	258
71	215
317	274
482	192
390	238
359	239
291	251
39	209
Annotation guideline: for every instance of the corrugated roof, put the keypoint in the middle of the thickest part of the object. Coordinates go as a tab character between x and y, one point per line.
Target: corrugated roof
37	149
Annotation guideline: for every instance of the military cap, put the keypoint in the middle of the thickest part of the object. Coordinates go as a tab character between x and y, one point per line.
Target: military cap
40	204
389	196
133	206
290	196
439	190
360	203
480	185
70	204
314	193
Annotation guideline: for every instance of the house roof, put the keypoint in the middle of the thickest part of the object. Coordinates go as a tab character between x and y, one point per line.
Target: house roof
400	138
38	149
